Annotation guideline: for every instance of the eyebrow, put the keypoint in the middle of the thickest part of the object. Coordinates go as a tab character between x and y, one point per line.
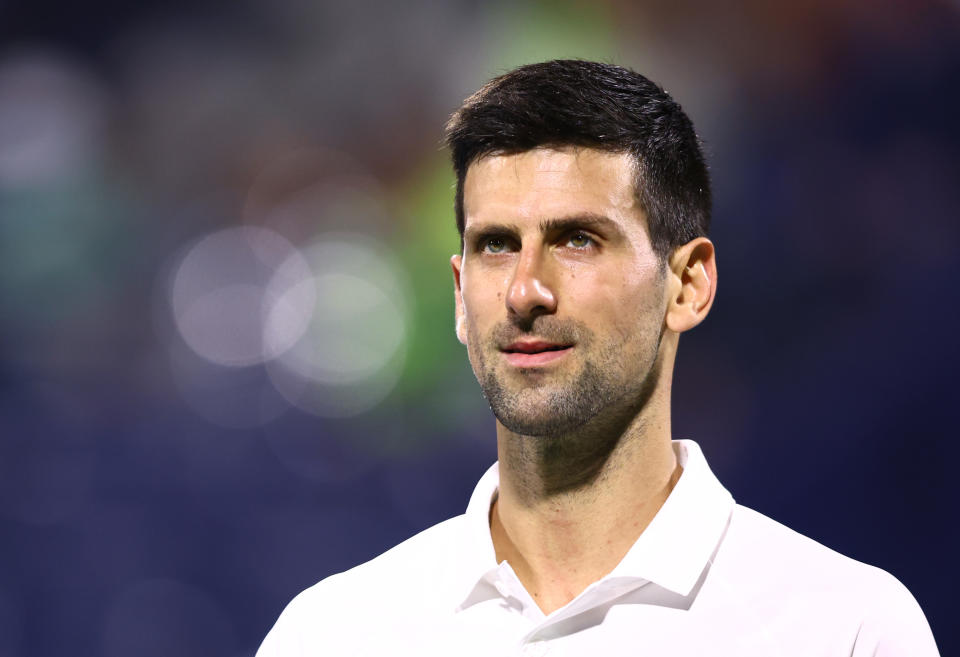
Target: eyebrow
581	220
554	225
473	232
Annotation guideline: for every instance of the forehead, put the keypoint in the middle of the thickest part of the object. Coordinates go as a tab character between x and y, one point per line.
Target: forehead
546	182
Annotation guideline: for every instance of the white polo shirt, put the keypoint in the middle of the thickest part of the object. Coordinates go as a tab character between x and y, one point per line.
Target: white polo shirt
707	577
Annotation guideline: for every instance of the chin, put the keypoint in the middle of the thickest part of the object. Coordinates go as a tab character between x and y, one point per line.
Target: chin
538	415
535	427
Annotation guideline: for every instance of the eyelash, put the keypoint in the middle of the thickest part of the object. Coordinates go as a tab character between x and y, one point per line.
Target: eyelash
590	241
485	240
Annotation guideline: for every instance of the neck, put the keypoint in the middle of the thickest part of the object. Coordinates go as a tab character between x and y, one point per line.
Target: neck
570	507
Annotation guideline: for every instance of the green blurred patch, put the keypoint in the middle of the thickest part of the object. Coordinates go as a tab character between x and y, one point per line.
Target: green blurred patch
550	29
437	378
61	247
428	239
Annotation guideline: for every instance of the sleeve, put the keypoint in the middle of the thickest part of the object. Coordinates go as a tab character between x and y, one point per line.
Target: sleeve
895	626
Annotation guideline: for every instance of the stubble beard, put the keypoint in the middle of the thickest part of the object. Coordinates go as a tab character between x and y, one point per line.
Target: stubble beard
544	404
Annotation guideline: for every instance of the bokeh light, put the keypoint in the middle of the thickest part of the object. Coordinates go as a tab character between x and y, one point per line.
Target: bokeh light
213	368
328	322
52	118
222	288
352	352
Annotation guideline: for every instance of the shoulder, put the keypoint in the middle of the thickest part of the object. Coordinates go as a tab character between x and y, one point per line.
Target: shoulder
406	580
413	563
769	564
773	548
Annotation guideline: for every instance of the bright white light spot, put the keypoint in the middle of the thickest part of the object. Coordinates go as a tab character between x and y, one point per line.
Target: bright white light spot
225	286
226	342
288	305
353	333
350	355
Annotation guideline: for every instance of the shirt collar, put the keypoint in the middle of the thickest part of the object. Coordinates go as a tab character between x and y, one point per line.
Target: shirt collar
476	561
672	551
675	547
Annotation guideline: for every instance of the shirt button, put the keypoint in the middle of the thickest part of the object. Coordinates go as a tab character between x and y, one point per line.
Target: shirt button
536	649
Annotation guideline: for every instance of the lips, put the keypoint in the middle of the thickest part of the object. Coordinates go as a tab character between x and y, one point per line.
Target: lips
533	353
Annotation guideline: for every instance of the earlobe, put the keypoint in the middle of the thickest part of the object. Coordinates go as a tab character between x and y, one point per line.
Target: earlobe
693	284
455	264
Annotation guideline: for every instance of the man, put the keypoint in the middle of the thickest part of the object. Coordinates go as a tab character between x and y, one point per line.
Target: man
583	203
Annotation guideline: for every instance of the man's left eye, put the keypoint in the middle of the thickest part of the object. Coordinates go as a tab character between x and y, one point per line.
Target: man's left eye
580	240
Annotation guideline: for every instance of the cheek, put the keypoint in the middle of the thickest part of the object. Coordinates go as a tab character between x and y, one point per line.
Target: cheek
477	321
624	307
483	302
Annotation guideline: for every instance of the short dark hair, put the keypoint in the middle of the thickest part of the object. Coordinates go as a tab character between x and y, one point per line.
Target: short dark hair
595	105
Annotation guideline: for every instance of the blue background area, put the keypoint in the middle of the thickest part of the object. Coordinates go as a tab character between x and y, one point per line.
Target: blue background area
142	515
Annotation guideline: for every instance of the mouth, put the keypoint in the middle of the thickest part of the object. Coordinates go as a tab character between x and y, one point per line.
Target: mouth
534	353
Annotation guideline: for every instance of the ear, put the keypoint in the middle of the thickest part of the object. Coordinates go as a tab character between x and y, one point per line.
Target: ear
459	314
691	285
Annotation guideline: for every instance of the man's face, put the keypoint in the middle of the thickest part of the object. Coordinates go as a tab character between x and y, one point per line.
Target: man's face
560	297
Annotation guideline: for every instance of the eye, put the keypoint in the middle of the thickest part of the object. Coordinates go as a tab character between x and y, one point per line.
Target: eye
493	245
580	240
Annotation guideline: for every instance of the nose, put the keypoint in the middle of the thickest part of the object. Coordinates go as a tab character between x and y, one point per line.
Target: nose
530	293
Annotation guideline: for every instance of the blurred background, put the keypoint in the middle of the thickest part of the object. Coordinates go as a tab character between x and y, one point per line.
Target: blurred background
227	361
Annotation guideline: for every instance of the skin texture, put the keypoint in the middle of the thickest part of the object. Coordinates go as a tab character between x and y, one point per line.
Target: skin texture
571	324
